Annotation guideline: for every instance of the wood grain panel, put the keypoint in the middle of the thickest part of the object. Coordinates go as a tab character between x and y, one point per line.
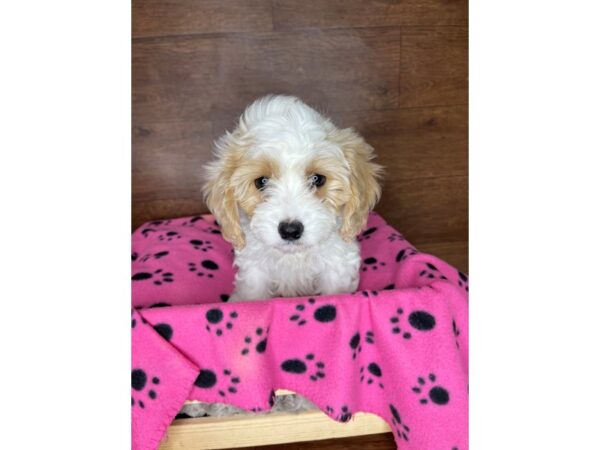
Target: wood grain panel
434	66
427	210
170	17
200	78
454	253
290	14
416	142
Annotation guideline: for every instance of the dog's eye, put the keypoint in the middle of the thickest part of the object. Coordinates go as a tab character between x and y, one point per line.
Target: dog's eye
317	180
260	183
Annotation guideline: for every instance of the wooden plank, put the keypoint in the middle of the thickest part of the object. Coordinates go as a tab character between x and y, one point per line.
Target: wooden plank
202	78
455	253
434	66
170	17
431	210
383	441
415	142
265	429
291	14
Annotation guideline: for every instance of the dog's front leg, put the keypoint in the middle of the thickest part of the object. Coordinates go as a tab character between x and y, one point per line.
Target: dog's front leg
251	283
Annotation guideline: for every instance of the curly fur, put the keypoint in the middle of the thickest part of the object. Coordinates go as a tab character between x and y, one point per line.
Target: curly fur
283	139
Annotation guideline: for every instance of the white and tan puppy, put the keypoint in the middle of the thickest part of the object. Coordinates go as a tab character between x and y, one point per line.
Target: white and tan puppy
291	192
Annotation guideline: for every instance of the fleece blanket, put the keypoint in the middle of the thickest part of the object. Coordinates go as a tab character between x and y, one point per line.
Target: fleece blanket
397	348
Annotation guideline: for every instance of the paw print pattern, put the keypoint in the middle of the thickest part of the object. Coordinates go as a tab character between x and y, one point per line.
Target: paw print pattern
203	245
134	256
436	394
372	374
192	221
455	332
355	344
207	379
371	263
463	281
366	293
259	343
432	272
323	314
169	236
300	366
139	381
215	318
147	231
365	235
158	276
405	253
212	230
395	320
344	414
402	430
419	320
206	264
157	255
165	330
394	237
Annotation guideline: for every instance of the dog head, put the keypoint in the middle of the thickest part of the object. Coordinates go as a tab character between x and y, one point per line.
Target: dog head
291	177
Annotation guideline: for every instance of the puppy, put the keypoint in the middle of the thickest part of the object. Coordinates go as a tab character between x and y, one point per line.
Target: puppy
291	192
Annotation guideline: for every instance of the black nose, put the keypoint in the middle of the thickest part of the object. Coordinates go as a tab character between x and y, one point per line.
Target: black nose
290	231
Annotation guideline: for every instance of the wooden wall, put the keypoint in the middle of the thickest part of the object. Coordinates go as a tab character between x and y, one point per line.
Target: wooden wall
394	70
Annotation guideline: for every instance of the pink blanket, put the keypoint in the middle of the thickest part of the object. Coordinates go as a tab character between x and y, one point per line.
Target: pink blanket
398	348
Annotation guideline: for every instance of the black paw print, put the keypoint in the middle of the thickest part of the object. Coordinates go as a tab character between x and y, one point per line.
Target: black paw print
158	276
371	263
437	394
366	293
456	332
299	366
419	320
395	237
215	317
169	236
463	281
165	330
204	245
157	223
373	369
343	416
224	297
432	272
157	255
212	230
207	264
207	379
405	253
402	430
355	342
139	380
192	221
134	256
365	235
324	314
146	232
260	346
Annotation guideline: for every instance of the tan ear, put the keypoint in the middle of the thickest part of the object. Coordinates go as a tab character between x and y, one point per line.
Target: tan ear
363	182
219	192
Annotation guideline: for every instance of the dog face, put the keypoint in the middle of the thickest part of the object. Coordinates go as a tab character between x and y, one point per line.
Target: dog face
291	177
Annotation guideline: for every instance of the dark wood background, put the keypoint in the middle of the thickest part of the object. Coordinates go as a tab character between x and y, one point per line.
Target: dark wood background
394	70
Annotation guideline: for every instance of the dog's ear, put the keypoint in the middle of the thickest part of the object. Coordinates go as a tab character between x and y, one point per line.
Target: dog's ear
219	192
363	181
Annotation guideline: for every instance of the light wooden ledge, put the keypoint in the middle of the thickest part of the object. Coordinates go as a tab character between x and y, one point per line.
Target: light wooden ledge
204	433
